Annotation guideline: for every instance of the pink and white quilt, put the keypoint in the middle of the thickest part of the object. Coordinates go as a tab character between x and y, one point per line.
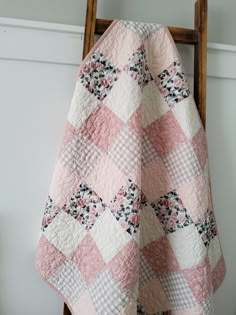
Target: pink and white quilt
129	225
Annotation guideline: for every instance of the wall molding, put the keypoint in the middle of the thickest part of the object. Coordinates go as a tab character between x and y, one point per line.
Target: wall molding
34	41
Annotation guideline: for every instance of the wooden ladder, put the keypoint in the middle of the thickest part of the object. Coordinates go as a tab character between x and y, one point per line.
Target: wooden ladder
196	37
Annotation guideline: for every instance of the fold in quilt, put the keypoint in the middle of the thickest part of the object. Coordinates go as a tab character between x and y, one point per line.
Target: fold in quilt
129	225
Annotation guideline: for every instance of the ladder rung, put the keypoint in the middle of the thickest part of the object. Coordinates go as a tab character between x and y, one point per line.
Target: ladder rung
180	35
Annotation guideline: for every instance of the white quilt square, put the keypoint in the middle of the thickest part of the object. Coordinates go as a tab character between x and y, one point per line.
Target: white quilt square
187	246
82	105
65	233
125	97
187	116
214	252
109	236
153	104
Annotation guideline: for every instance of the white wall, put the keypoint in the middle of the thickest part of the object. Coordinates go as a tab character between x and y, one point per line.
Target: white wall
38	66
33	102
221	131
222	20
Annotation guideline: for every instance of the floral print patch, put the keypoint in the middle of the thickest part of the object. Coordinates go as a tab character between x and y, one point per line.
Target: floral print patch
98	75
49	213
171	212
173	84
137	67
125	207
144	201
207	228
85	206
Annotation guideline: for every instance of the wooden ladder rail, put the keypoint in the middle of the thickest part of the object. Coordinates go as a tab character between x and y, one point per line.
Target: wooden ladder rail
196	37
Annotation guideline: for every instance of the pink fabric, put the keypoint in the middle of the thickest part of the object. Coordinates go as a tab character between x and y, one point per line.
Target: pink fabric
129	226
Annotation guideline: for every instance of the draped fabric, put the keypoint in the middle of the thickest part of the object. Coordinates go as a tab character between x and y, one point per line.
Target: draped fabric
129	225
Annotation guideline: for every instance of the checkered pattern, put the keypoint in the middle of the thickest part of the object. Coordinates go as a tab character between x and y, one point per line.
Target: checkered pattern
132	118
208	307
80	155
107	296
146	272
68	281
144	30
182	164
177	290
148	152
126	151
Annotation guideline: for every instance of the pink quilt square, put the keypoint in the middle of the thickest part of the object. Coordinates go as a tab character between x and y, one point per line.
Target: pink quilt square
84	305
88	258
218	273
48	259
102	127
135	120
160	256
199	280
165	134
106	186
160	51
194	195
199	143
124	266
118	52
155	180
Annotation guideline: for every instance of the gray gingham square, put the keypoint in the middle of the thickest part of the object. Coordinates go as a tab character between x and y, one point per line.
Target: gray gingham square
177	291
143	30
108	298
145	271
208	306
182	164
126	151
148	152
68	281
80	155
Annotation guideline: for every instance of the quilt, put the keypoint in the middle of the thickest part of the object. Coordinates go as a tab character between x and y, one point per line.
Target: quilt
129	225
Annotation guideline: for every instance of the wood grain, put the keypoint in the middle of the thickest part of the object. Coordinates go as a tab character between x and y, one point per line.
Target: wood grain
89	26
66	310
200	58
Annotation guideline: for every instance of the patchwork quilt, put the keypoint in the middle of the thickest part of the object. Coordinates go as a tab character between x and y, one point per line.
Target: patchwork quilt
129	225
